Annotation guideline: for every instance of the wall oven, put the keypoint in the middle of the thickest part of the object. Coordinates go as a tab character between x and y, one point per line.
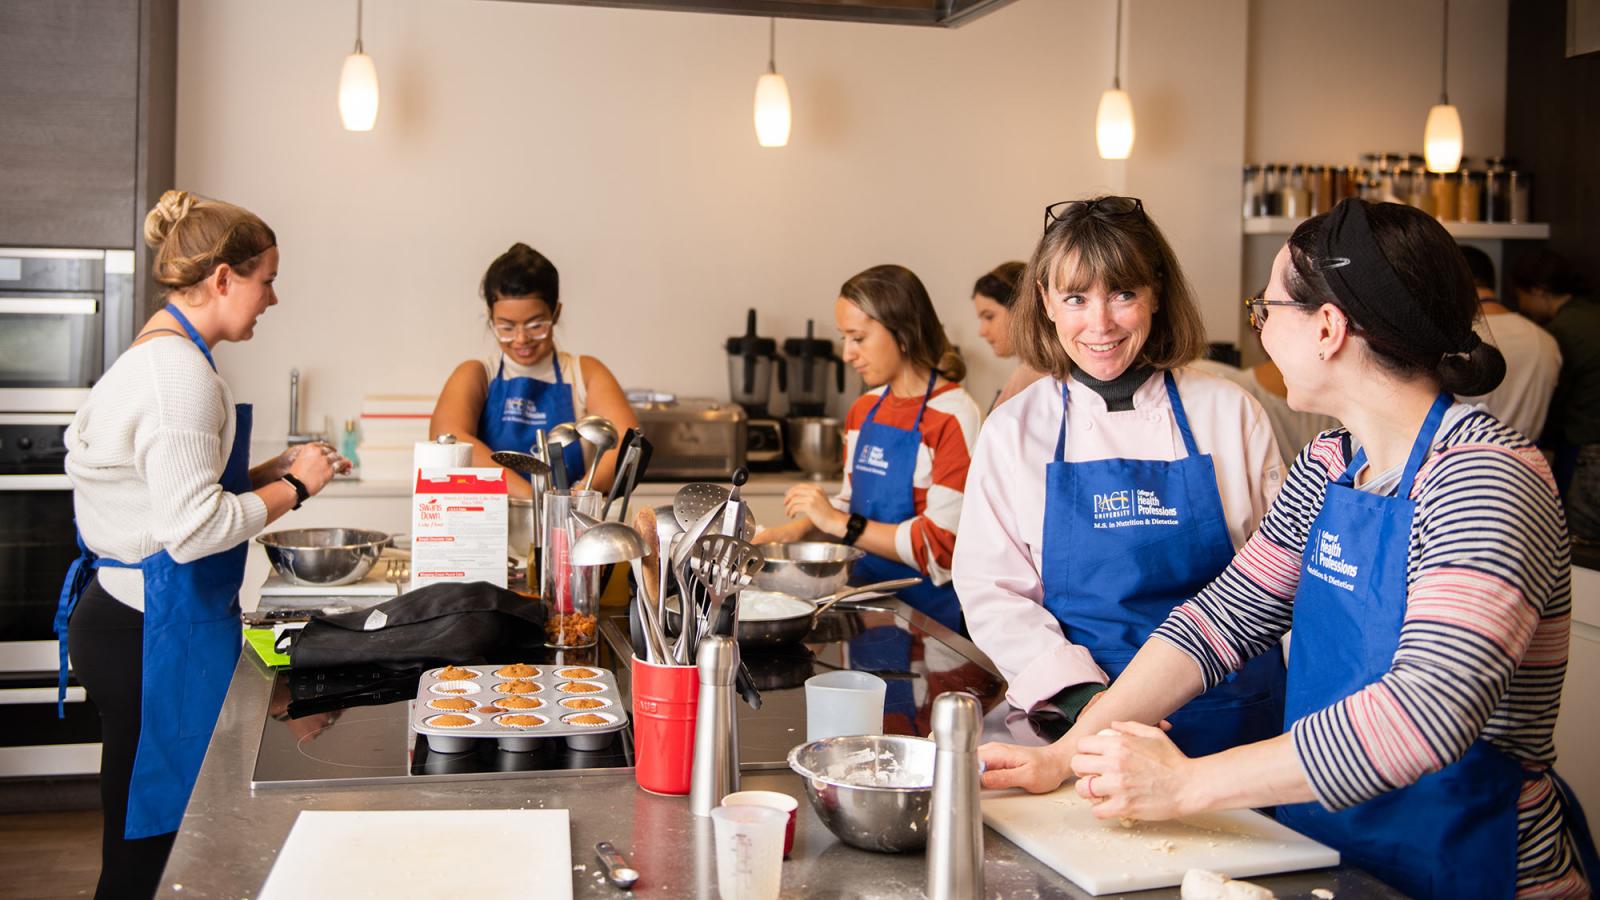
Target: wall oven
64	316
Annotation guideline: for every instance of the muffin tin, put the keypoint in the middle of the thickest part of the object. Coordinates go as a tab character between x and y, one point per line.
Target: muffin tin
578	703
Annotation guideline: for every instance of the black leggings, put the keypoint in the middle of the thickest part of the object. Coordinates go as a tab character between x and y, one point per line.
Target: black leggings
106	638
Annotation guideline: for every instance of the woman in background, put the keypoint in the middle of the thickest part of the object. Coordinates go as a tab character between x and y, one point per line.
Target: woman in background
992	297
502	403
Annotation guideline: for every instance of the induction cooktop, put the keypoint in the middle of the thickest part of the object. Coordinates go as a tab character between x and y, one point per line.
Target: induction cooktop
333	726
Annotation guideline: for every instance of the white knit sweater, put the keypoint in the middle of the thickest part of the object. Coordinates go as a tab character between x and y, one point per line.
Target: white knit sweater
144	454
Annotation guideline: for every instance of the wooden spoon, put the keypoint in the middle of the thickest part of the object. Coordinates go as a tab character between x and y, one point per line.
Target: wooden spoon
644	522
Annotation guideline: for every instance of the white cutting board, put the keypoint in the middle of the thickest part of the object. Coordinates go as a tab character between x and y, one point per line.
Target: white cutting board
477	853
1102	857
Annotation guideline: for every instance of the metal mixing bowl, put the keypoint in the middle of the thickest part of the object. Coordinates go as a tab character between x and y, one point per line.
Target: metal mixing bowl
323	556
806	569
884	819
818	446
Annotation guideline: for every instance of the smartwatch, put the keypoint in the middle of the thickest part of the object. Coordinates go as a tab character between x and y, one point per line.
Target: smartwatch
853	529
300	492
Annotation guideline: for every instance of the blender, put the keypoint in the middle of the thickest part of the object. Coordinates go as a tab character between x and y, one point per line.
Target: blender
751	360
816	441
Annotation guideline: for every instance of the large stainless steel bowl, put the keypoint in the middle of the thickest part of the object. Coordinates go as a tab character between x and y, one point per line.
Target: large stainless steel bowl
818	446
806	569
323	556
888	818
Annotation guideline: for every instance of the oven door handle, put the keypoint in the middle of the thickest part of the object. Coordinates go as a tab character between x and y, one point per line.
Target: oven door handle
35	695
35	483
49	306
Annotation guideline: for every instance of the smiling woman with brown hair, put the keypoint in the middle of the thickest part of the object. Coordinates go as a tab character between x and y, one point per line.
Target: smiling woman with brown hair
1108	492
908	442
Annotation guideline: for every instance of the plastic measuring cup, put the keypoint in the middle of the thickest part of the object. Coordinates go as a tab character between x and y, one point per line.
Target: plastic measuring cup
840	703
749	851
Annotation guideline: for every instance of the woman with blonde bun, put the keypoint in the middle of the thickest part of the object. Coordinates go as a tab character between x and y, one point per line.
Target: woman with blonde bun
165	501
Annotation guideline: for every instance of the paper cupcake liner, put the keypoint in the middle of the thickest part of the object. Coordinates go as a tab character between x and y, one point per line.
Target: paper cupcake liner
456	688
580	687
501	721
437	673
433	721
609	719
599	703
471	705
578	673
521	690
501	673
500	704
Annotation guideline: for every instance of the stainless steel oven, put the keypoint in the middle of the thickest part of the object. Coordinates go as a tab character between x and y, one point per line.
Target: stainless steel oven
37	543
64	316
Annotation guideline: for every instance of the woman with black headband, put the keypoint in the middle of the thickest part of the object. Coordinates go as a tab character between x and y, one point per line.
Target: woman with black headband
1421	557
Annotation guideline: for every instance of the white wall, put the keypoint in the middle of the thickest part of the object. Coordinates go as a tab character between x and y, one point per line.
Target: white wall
620	144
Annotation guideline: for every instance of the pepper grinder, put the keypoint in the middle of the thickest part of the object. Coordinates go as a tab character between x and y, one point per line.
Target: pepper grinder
716	738
955	822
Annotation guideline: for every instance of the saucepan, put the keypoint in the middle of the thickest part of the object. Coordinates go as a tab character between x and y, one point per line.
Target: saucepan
774	617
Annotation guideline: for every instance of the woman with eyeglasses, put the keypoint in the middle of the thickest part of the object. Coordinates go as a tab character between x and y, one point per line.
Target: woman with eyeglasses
908	442
1420	555
502	403
1109	492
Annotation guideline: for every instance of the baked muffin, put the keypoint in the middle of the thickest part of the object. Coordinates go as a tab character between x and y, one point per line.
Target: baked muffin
581	687
450	721
518	687
455	673
517	670
577	672
583	703
520	720
519	702
587	719
454	704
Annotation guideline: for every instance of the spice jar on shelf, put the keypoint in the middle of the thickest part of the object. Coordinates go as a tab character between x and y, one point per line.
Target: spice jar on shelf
1294	199
1446	194
1319	180
1494	190
1469	196
1518	194
1254	185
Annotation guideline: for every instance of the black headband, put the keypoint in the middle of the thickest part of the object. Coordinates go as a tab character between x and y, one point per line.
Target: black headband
1361	277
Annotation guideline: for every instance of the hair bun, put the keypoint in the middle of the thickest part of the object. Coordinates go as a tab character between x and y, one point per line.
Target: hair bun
1474	373
168	211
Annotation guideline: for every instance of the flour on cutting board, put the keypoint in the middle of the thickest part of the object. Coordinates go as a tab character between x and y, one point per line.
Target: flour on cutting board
1103	855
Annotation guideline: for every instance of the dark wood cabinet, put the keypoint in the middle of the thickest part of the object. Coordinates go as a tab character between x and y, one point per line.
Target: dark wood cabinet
69	98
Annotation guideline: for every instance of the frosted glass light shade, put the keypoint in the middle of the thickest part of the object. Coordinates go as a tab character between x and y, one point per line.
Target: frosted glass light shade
772	111
1113	125
1441	138
358	93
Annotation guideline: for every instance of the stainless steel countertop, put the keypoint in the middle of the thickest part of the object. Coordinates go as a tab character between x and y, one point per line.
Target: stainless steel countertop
230	835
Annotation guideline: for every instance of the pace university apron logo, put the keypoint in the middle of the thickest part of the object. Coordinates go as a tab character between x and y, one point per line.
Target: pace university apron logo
1131	507
1328	563
873	459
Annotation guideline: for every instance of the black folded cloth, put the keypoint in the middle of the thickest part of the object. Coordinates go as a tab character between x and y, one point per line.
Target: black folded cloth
437	624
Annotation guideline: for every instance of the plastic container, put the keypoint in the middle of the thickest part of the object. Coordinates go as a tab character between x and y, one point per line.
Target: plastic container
781	802
749	852
843	703
664	703
570	594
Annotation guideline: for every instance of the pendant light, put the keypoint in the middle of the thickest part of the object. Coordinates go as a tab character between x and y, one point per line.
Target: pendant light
1441	136
1113	122
772	98
358	86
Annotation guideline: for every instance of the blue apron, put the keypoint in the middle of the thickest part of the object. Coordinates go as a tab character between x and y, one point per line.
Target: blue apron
1128	540
1452	832
518	408
881	490
191	644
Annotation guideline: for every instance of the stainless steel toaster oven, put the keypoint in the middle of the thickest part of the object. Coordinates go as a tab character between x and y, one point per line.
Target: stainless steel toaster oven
692	437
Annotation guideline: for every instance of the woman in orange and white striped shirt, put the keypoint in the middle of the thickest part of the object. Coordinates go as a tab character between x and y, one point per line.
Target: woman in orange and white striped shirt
908	443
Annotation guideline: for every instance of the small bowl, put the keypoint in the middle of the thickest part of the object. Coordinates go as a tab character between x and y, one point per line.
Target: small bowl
886	818
807	569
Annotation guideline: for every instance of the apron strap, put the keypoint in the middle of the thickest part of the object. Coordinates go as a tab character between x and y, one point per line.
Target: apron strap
1061	436
555	362
873	412
194	335
1419	450
1178	412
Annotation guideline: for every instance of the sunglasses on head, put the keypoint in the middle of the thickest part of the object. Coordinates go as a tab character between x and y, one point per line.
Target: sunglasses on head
1110	206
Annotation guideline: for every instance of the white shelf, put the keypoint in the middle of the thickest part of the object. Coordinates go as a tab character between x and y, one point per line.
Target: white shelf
1526	231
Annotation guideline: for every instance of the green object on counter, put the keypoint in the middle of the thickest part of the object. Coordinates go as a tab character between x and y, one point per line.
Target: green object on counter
262	640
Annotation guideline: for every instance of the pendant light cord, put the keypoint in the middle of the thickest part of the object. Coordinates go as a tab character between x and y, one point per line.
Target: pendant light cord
1444	61
772	46
1116	66
358	27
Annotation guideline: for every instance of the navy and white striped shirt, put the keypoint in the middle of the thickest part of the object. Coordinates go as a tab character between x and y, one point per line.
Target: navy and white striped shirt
1483	645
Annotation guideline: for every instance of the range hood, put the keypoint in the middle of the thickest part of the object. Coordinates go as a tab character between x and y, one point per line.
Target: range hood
939	13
